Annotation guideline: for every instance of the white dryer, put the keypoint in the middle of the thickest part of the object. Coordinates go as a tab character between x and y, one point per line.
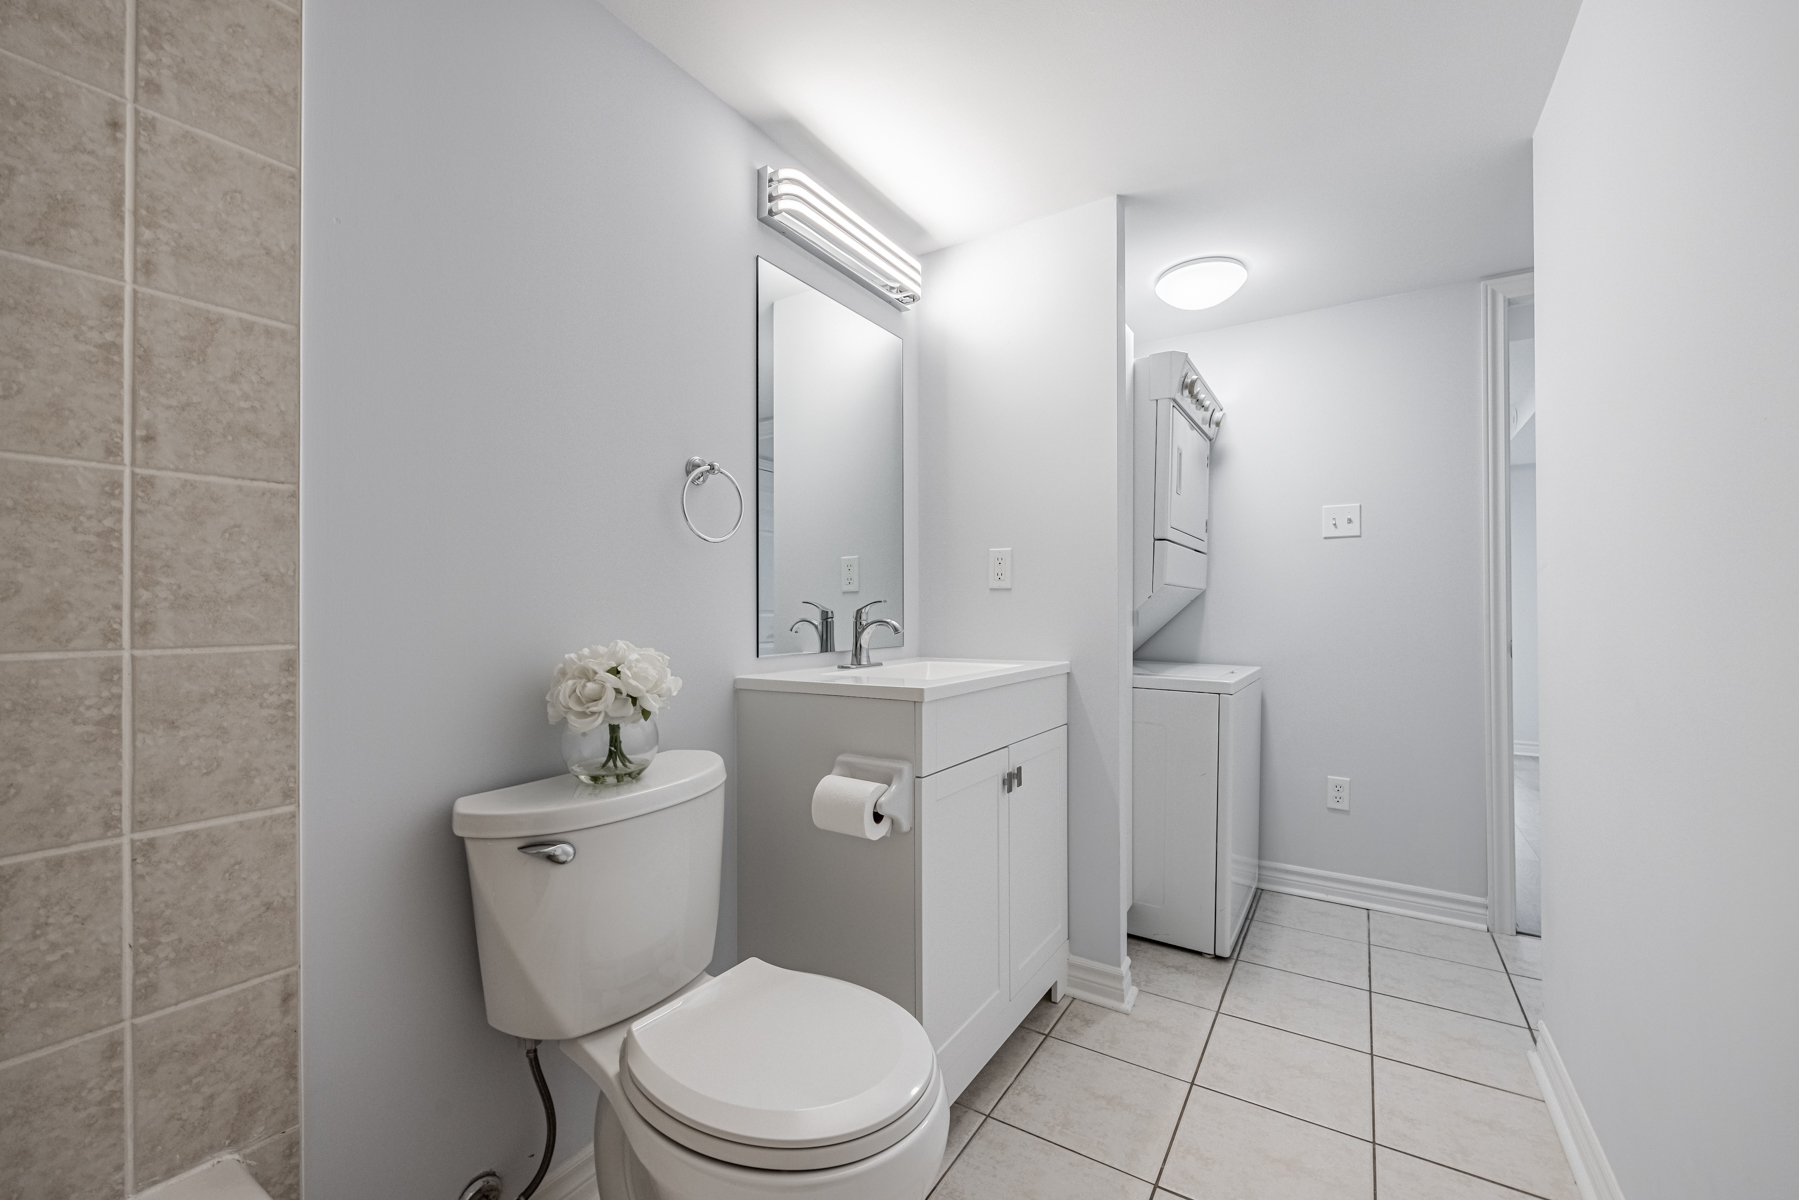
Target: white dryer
1196	802
1175	420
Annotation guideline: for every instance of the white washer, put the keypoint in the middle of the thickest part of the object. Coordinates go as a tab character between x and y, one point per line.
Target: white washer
761	1082
1196	802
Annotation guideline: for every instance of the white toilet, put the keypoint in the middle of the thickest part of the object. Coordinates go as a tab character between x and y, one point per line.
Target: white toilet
595	910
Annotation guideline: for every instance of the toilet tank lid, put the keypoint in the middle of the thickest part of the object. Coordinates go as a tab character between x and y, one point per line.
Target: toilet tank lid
564	804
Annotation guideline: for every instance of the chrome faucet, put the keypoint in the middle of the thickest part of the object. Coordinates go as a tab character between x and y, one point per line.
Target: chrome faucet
859	642
825	627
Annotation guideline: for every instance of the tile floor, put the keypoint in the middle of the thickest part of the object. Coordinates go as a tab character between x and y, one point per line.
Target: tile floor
1527	820
1343	1055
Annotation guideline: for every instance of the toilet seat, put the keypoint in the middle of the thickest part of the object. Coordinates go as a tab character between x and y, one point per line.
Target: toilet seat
780	1070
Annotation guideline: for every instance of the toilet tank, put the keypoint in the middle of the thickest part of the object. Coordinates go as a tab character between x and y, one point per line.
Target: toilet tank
570	947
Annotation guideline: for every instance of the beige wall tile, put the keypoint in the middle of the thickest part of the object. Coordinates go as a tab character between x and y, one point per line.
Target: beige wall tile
62	170
62	1123
83	38
59	948
215	735
215	1076
211	907
216	224
61	363
215	564
60	774
230	67
61	556
275	1162
216	394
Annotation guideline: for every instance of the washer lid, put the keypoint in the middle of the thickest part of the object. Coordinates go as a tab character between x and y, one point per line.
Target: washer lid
772	1057
1193	677
564	804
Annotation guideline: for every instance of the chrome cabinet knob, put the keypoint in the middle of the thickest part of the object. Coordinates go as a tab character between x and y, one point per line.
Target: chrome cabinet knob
556	852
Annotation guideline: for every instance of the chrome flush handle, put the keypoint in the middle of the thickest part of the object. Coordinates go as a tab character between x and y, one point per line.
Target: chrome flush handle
556	852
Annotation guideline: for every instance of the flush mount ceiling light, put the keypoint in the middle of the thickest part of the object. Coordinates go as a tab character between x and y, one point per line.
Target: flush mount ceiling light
823	224
1201	282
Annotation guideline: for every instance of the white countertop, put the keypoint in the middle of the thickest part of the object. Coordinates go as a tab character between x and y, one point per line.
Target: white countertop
904	678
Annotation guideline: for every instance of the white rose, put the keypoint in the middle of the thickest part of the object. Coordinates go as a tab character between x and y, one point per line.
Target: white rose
614	684
645	675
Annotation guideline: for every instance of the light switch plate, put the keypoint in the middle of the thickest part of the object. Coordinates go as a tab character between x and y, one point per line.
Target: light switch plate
999	568
1342	520
1336	793
852	572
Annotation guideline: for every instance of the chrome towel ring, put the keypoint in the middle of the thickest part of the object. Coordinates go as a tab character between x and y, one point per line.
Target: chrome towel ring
697	469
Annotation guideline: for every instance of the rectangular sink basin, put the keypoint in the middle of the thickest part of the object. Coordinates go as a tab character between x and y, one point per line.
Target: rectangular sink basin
904	679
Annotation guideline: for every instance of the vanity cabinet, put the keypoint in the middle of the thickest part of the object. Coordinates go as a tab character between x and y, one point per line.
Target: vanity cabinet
963	920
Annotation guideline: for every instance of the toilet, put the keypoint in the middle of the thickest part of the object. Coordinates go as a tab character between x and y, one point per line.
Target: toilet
595	910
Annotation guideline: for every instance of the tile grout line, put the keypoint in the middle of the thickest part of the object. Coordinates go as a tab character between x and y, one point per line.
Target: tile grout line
1212	1028
1374	945
242	985
127	713
1512	983
1459	1078
144	835
155	652
1466	1174
55	460
50	265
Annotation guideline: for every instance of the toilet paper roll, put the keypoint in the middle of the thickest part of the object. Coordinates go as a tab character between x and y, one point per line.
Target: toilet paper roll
844	805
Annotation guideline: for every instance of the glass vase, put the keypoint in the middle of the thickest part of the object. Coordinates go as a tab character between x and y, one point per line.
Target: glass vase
608	754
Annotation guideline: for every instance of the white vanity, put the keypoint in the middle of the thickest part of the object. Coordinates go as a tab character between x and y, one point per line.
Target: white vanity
962	918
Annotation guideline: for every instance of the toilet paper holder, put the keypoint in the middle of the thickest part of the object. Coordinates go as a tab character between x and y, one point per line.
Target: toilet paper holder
896	803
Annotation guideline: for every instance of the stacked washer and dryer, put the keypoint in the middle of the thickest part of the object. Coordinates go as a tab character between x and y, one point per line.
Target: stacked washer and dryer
1196	758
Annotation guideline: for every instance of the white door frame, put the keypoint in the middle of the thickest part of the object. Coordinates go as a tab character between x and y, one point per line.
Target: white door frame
1502	866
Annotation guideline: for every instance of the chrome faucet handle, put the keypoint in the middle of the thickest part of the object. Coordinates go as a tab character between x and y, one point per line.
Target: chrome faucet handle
821	608
859	618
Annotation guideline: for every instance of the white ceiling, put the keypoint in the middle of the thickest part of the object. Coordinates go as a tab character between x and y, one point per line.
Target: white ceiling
1341	148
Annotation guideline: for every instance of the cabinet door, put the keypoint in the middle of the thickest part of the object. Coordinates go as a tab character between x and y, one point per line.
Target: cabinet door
961	893
1036	855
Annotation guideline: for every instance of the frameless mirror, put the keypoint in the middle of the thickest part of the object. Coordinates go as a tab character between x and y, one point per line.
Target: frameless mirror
829	517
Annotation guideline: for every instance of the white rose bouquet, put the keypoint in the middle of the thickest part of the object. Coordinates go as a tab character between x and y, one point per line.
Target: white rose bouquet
615	685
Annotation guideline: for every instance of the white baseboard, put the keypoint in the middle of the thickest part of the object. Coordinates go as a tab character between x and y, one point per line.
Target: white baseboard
1592	1173
573	1180
1107	986
1403	898
1524	750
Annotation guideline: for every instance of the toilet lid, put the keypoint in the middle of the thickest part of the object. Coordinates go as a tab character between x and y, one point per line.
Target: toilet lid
779	1058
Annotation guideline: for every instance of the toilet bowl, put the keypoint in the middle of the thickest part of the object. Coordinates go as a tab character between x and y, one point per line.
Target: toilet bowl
759	1082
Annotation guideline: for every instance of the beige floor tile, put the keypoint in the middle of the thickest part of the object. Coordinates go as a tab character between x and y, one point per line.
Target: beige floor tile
1178	974
1120	1114
984	1091
1445	984
1300	1004
1402	1177
1318	955
1523	955
1043	1018
962	1124
1226	1148
1456	943
1161	1034
1481	1130
1489	1052
1313	916
1530	995
1003	1163
1301	1076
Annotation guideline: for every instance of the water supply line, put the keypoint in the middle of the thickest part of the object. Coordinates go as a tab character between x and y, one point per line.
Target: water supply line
486	1185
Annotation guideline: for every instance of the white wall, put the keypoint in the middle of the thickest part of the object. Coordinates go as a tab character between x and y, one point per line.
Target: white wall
1371	646
1668	576
529	288
1022	363
1524	605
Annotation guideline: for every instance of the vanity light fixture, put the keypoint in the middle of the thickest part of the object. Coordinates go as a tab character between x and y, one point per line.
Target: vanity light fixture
798	207
1201	282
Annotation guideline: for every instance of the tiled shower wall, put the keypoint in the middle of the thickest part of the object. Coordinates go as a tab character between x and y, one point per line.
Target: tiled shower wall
149	521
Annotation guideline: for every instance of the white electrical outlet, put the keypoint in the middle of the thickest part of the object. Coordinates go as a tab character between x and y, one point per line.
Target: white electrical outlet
1342	520
852	572
1336	793
999	567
